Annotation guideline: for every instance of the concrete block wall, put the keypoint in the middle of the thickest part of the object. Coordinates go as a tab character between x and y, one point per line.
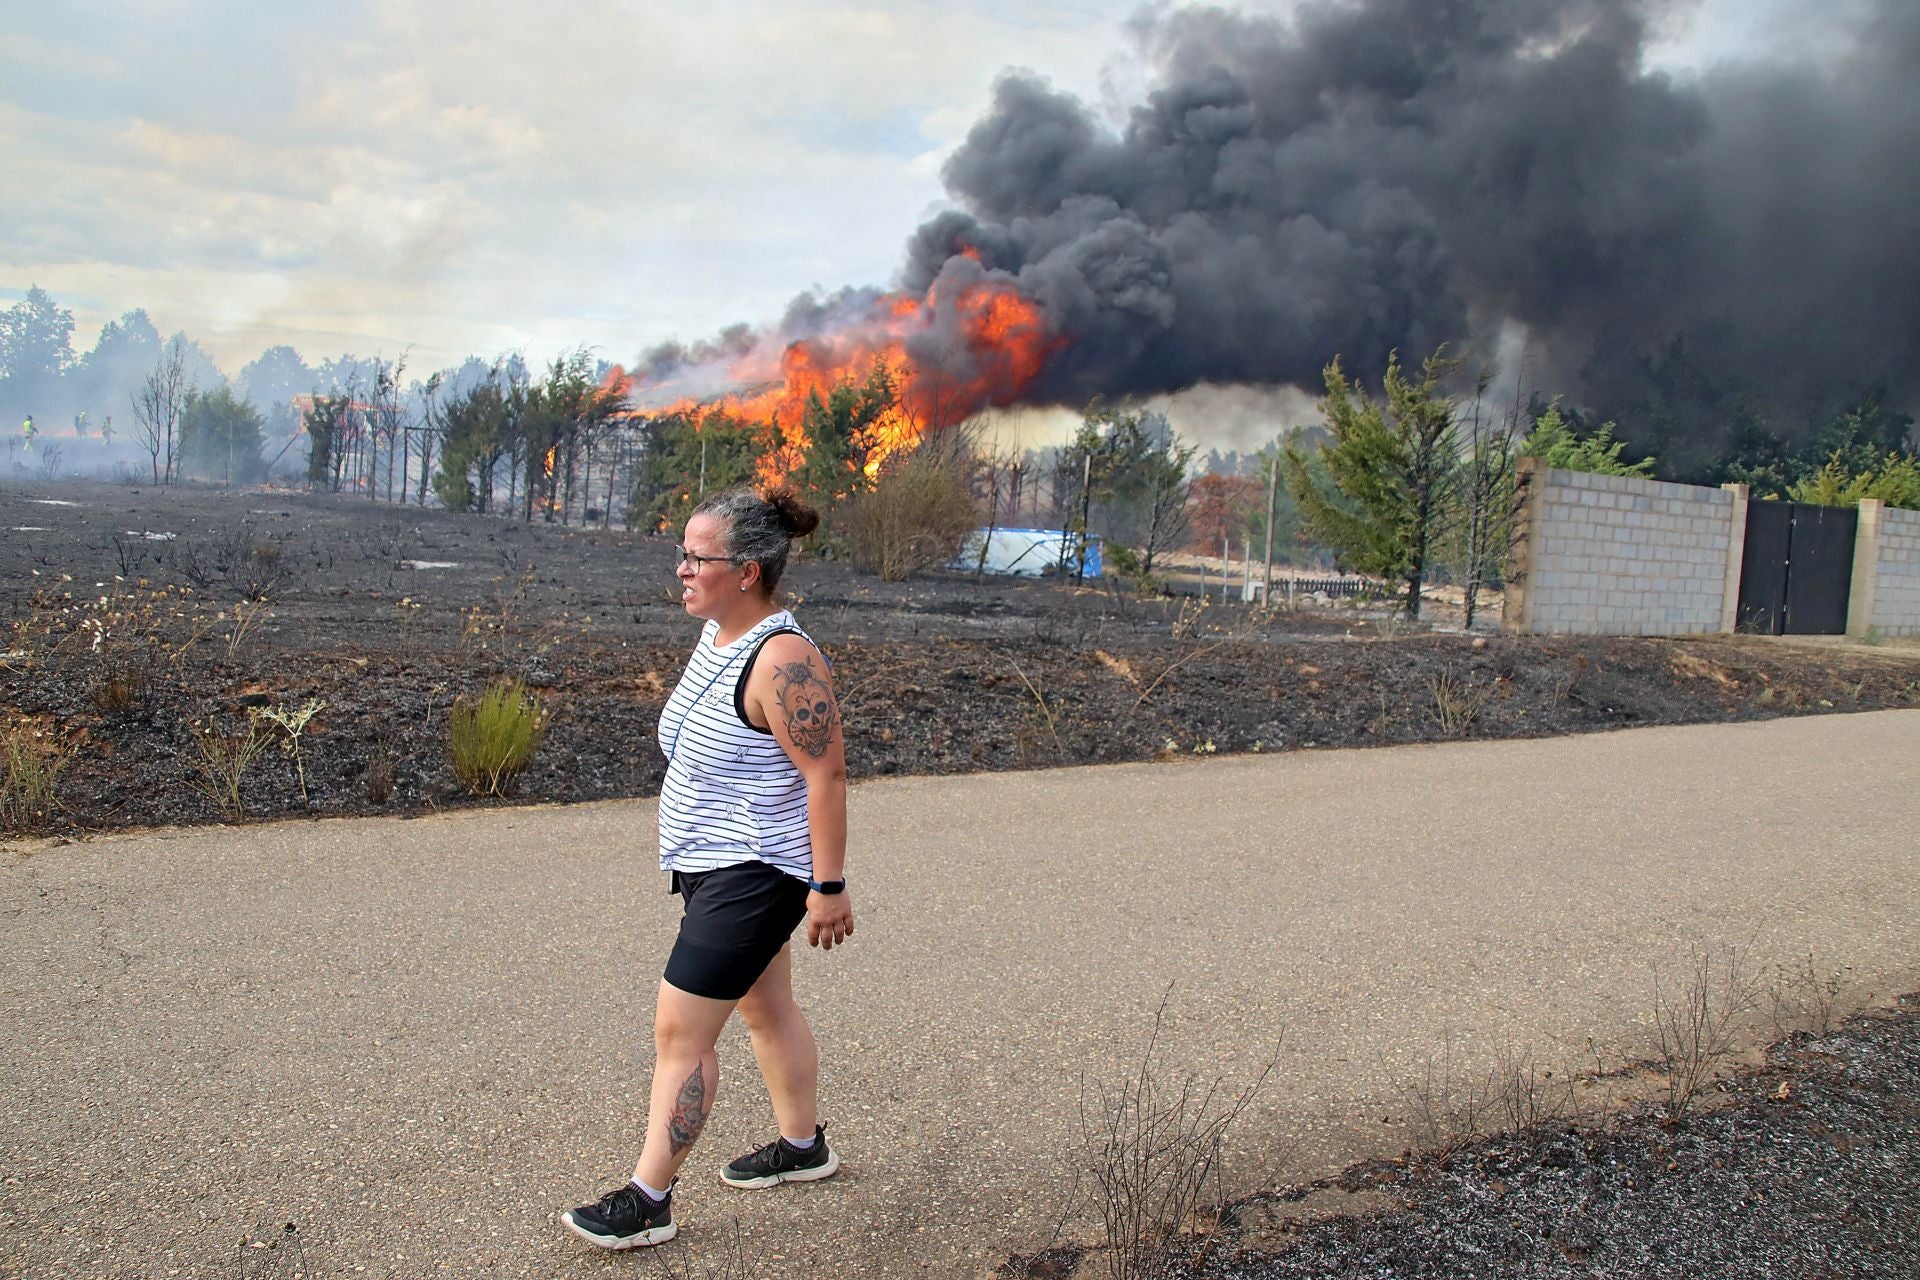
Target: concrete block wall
1620	555
1886	572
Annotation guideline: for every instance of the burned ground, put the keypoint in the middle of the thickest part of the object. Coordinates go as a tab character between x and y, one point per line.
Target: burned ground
1804	1165
138	618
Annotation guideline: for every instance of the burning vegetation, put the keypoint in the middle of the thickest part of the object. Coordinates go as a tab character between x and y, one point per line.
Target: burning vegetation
924	364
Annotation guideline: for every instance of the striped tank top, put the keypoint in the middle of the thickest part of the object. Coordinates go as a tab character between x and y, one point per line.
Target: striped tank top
731	795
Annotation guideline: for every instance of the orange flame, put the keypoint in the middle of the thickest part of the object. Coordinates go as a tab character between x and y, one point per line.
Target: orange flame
1000	345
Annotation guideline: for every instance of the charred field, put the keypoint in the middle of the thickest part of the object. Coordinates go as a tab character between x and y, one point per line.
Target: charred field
140	621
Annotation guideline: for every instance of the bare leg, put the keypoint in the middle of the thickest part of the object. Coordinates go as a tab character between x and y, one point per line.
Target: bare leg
686	1076
783	1044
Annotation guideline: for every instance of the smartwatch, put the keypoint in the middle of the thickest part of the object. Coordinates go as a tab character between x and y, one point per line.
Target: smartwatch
827	886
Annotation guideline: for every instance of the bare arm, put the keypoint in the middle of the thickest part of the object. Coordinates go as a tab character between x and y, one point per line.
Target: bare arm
792	690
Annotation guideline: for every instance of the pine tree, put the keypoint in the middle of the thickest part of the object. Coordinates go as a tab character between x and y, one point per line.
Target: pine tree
1391	471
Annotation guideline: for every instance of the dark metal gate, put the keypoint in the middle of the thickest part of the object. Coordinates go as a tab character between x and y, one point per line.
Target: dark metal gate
1796	571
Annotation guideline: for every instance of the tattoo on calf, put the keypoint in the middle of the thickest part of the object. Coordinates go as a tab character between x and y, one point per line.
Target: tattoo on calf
807	702
689	1114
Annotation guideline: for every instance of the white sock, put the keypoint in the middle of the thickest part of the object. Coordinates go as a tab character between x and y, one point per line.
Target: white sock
798	1144
650	1193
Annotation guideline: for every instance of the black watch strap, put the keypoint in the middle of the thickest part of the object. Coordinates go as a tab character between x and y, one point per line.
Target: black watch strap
827	886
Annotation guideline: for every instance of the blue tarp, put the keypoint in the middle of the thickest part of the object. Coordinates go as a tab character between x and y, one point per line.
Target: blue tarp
1028	552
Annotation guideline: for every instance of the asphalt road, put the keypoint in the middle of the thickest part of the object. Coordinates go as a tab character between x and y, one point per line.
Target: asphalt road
418	1039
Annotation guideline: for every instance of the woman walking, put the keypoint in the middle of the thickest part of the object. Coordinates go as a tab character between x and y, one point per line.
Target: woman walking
753	828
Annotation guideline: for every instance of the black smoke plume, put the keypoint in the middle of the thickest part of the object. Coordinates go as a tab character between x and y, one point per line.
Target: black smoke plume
1391	174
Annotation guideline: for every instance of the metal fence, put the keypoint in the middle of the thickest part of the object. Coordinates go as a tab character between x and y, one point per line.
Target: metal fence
1290	588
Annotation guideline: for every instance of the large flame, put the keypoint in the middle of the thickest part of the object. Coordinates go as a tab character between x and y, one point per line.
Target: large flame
997	343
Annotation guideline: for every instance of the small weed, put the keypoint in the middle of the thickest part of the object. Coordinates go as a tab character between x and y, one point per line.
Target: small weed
29	781
498	629
1801	998
494	737
1447	1108
1190	618
408	610
1053	730
379	777
225	758
119	691
292	723
721	1257
1457	702
1383	718
245	617
1154	1148
1174	666
1696	1027
1569	681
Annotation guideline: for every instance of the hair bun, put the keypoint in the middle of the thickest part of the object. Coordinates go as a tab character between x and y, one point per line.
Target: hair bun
796	517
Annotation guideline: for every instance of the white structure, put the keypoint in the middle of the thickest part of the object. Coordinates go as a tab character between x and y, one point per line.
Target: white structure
1027	553
1886	572
1624	555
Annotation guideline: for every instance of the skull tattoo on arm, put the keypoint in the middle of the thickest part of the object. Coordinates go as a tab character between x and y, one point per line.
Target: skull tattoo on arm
806	700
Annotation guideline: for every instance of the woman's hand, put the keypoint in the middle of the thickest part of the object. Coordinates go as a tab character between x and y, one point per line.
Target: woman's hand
829	919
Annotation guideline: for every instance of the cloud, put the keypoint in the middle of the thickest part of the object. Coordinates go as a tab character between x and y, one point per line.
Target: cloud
489	175
464	174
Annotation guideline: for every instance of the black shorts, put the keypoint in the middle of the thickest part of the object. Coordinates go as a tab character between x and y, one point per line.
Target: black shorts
735	921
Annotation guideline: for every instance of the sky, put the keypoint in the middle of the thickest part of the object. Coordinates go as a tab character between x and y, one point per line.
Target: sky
442	179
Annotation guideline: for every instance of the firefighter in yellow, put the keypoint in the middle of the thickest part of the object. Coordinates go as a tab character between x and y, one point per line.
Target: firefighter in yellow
26	431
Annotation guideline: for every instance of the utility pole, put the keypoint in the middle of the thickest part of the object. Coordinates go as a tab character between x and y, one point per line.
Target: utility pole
1086	502
1273	494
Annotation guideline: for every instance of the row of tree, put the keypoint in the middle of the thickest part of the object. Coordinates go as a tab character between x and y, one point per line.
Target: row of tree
1414	484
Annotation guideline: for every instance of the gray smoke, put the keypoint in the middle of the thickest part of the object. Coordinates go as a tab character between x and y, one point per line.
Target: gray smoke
1392	174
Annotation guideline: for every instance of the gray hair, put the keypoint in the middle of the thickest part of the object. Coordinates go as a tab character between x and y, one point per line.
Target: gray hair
761	527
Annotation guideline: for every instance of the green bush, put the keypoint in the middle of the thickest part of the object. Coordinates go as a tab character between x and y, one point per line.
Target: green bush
1896	482
29	782
916	516
1123	563
494	737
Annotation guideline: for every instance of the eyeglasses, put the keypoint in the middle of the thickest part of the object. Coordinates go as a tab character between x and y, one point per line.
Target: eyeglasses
689	557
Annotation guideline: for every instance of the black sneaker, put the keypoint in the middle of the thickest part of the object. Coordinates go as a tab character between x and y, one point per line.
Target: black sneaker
625	1218
780	1161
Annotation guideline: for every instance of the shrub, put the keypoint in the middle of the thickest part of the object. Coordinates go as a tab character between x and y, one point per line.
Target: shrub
916	516
379	778
1124	564
494	737
1154	1144
1697	1027
120	691
29	781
